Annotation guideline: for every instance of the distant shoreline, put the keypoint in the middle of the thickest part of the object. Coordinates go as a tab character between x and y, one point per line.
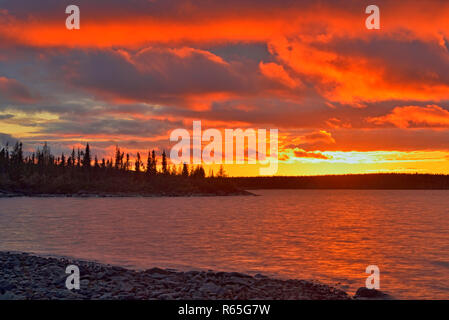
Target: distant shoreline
6	194
372	181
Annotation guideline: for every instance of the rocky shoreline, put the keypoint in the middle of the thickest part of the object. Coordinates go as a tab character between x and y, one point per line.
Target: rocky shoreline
26	276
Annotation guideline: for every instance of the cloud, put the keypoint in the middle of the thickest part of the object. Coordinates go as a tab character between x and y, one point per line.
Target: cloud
12	90
171	76
320	136
109	23
112	128
357	70
300	153
415	116
6	116
277	72
310	69
7	139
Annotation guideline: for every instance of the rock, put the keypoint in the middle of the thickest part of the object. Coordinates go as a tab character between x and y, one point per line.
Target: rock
44	279
239	280
158	271
365	293
106	296
165	296
84	283
6	286
211	287
10	296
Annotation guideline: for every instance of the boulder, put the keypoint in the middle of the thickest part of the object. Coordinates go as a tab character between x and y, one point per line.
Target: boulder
365	293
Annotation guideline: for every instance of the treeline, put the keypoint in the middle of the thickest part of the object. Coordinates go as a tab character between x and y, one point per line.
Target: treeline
349	181
81	172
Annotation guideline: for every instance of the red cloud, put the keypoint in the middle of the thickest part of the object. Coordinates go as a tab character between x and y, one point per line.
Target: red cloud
315	137
277	72
415	116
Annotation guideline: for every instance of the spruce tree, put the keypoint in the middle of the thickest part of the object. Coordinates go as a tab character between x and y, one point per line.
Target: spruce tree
138	163
164	163
87	158
185	170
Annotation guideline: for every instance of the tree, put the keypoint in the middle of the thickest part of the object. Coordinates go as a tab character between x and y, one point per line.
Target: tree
221	173
87	159
16	161
185	170
17	155
154	162
78	158
149	162
73	157
63	160
127	163
122	164
118	163
138	163
46	155
3	161
164	163
198	172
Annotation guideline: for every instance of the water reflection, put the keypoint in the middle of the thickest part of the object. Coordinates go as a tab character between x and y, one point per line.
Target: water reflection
330	235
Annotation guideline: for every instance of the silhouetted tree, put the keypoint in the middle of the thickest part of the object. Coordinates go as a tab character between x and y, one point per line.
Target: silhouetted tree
149	163
78	158
118	158
198	172
164	163
72	157
127	163
62	160
185	170
138	163
221	173
87	159
154	162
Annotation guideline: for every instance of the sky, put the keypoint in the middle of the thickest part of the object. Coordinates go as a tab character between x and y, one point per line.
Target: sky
345	99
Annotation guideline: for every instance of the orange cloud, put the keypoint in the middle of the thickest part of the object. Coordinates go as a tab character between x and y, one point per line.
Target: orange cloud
352	77
300	153
415	116
104	24
277	72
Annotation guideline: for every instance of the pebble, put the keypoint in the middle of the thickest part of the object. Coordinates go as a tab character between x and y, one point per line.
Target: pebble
25	276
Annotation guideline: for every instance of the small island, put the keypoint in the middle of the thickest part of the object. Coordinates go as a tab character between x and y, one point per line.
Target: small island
43	174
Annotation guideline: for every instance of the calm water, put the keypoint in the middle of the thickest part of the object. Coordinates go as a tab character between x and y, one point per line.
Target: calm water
328	235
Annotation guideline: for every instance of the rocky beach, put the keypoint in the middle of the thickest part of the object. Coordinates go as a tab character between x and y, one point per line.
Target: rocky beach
27	276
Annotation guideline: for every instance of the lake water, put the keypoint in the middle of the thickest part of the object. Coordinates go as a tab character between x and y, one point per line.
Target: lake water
327	235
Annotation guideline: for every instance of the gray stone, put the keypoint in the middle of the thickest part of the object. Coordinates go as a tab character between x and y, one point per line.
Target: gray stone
365	293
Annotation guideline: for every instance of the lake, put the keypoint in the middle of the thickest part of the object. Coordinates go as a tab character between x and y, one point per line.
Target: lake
326	235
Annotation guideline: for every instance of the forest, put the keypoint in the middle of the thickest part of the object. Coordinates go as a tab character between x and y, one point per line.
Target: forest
81	173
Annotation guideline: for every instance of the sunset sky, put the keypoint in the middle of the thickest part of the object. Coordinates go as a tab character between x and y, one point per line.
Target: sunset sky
345	99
